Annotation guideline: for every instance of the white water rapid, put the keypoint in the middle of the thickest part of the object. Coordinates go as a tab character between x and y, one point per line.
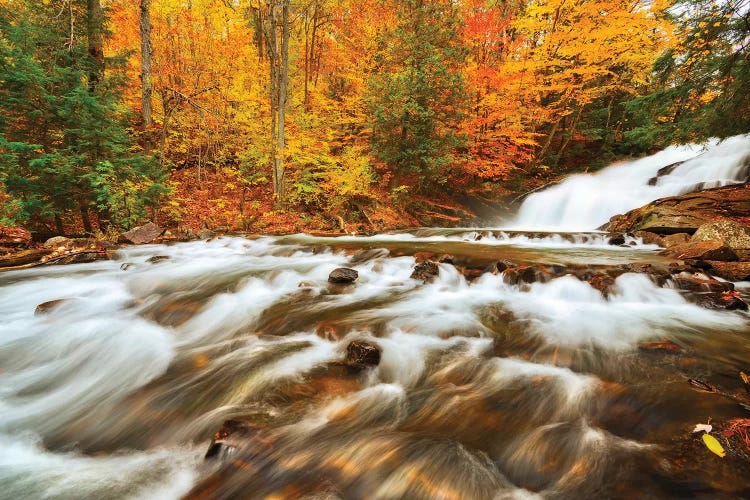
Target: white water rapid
586	201
484	388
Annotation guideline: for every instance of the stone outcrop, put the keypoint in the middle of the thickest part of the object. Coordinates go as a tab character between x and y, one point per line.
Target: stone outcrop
702	250
687	212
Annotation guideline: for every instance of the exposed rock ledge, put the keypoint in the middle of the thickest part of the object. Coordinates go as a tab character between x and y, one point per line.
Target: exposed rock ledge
687	212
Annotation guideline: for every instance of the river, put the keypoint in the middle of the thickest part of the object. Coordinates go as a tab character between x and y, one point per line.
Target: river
484	389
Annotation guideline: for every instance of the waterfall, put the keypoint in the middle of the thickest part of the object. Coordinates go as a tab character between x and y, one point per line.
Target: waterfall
586	201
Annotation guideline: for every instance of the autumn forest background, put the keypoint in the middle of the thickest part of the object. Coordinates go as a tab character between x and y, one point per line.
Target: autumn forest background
348	115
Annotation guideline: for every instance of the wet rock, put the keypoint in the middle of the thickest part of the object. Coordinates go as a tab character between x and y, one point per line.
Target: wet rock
83	257
519	274
205	234
157	258
672	240
701	284
732	271
705	250
733	234
502	265
126	265
617	239
142	234
361	354
47	307
602	282
343	275
229	437
685	213
698	263
721	301
649	238
426	271
446	259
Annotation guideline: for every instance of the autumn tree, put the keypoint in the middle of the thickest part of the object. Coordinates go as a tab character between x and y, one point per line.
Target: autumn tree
582	54
64	146
416	93
702	83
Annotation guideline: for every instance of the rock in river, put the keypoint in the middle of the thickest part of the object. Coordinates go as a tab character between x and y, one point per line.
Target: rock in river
343	275
360	354
426	271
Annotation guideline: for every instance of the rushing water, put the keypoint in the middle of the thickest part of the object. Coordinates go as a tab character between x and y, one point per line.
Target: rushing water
586	201
484	389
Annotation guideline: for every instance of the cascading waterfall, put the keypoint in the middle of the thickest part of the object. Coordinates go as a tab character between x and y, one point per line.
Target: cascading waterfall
586	201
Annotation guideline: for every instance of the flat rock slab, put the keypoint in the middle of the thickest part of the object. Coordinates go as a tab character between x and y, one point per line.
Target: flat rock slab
142	234
686	213
704	250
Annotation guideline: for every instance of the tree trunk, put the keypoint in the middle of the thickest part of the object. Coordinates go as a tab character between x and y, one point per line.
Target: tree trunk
94	31
146	89
277	19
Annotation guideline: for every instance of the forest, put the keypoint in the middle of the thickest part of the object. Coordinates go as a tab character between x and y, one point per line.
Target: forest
351	115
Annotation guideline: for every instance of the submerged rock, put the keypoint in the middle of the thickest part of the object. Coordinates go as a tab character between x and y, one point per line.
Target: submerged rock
361	354
520	274
157	258
343	275
47	307
426	271
602	282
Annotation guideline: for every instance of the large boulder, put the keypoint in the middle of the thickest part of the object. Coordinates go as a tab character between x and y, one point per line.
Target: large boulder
142	234
732	271
343	275
685	213
701	250
733	234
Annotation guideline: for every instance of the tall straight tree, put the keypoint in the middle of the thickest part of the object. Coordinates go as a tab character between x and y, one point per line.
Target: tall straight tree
146	89
276	27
